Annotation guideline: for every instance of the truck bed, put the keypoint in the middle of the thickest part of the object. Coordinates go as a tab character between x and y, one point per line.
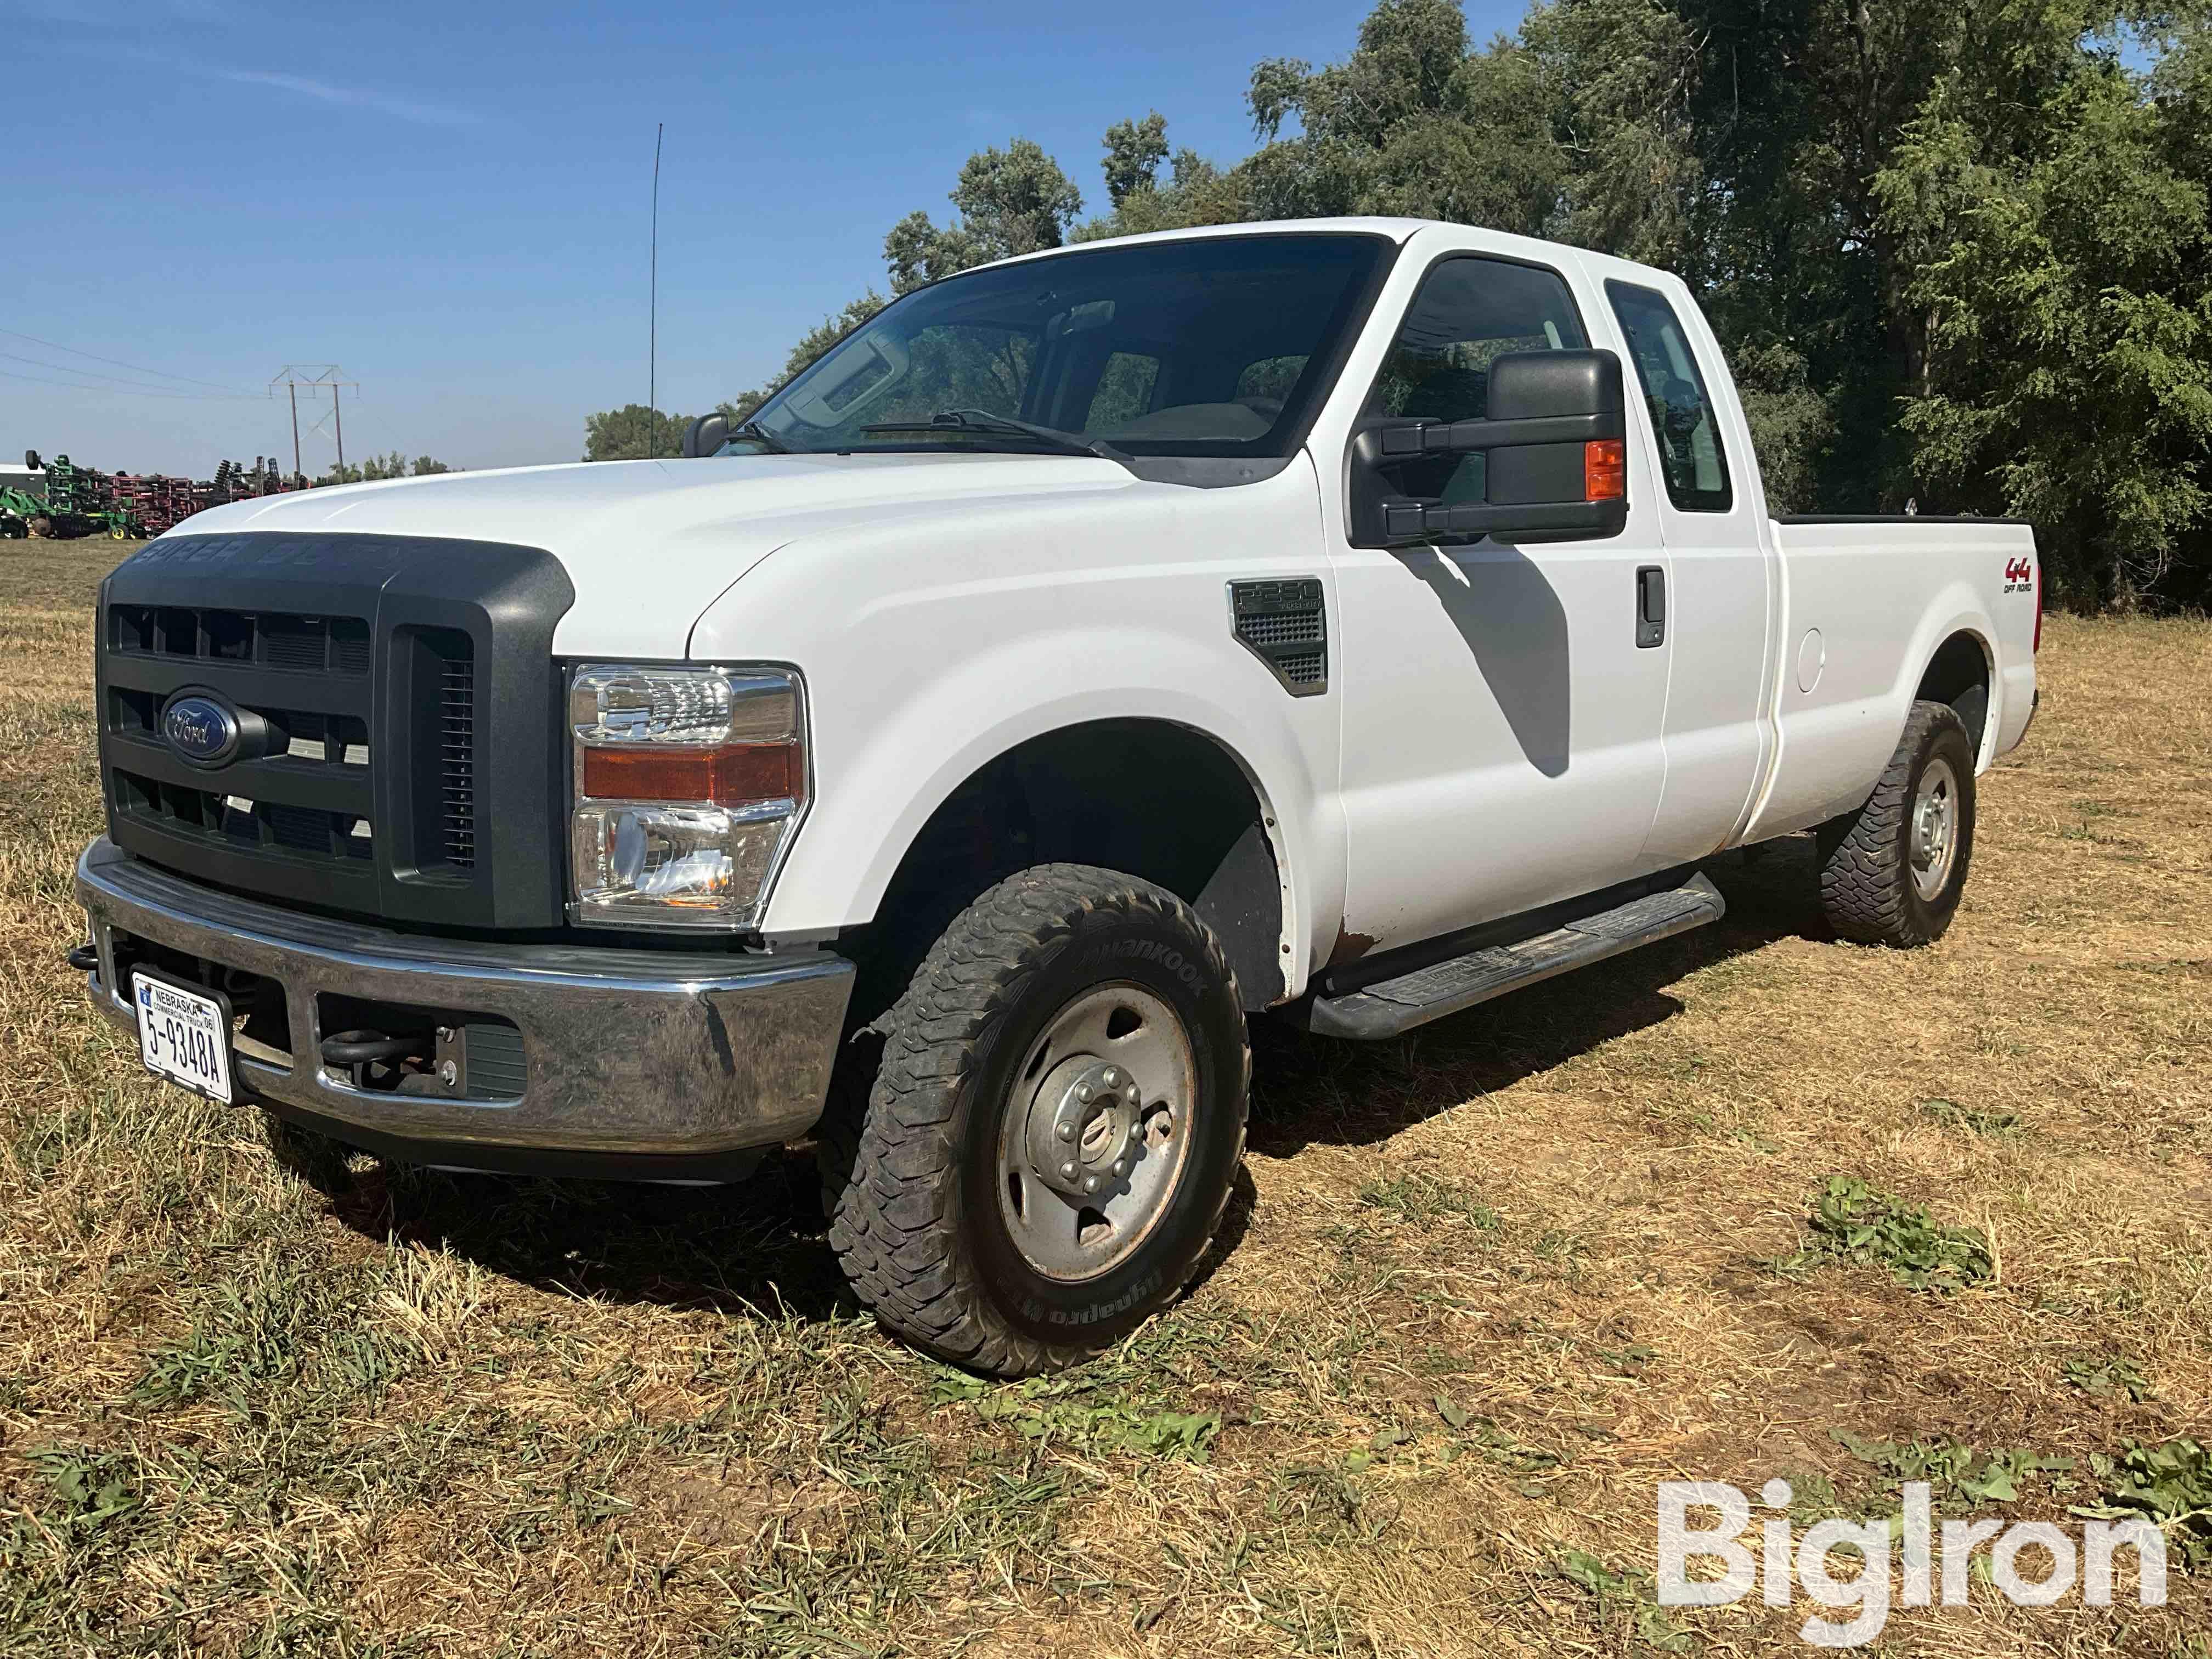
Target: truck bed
1846	673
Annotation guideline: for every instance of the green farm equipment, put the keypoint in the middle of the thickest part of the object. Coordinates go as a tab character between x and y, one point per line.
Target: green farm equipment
19	509
80	501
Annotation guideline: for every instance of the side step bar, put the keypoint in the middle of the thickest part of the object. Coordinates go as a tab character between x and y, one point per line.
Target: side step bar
1398	1005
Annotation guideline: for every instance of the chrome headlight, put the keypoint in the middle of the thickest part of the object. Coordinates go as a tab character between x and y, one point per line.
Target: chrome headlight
689	782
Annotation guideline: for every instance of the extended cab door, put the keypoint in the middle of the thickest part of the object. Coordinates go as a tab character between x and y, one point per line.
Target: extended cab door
1720	570
1502	721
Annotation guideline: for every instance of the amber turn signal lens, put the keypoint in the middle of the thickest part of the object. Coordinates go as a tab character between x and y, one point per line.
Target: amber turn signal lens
1605	471
734	775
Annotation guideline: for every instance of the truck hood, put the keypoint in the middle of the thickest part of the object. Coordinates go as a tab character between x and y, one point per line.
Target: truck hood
649	545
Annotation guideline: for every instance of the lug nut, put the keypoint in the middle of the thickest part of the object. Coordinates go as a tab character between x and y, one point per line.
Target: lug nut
1067	1172
1067	1129
1113	1077
1090	1183
1129	1094
1084	1091
1121	1166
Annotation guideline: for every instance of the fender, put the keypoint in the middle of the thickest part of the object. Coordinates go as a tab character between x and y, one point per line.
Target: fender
1064	612
1956	610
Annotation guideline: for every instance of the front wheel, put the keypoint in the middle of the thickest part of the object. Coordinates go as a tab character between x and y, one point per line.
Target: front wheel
1055	1125
1891	872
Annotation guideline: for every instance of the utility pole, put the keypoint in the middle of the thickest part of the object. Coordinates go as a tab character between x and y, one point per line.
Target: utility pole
315	378
653	311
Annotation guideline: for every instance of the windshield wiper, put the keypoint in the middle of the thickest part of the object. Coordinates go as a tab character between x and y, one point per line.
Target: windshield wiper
981	420
760	434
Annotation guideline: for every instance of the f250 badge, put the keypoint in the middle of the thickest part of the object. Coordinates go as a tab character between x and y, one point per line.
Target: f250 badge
2020	576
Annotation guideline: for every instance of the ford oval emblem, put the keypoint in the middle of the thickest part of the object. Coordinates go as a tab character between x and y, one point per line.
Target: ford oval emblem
200	729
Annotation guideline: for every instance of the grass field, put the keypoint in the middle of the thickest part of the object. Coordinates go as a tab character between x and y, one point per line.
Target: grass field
1480	1291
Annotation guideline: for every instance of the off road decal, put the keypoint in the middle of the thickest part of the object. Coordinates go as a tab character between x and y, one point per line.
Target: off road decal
2018	575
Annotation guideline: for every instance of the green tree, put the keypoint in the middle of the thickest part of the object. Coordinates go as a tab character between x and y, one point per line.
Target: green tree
1010	202
633	433
425	466
2054	261
1412	122
1957	253
1134	150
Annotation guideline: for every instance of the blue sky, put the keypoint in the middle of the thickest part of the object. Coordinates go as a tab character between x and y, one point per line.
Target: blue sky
451	202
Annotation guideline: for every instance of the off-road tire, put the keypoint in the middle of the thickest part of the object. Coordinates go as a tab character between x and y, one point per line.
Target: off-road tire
917	1228
1866	890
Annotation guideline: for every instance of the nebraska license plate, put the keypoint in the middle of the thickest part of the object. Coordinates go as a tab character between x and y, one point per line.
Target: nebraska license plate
184	1035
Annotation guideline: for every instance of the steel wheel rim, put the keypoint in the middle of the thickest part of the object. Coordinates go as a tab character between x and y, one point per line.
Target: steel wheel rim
1934	829
1097	1131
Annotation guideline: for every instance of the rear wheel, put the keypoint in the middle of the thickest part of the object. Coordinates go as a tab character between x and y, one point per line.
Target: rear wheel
1055	1125
1891	872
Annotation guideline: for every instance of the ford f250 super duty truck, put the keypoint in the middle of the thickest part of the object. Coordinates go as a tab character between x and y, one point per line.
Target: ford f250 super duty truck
1351	618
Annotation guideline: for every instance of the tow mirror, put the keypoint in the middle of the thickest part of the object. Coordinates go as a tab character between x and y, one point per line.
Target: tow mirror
1554	465
706	435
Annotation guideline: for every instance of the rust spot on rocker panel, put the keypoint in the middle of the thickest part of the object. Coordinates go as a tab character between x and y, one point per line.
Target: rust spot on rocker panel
1350	947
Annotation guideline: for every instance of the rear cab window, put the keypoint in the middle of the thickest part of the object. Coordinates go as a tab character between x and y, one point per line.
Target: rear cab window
1683	421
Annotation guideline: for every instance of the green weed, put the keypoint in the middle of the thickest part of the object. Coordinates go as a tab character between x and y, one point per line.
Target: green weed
2169	1485
1626	1592
1974	1119
1851	1222
2107	1374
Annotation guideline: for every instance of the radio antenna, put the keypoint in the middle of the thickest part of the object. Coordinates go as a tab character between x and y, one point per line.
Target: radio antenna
653	312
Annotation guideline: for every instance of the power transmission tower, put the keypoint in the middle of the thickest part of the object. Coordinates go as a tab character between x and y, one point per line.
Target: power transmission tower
324	376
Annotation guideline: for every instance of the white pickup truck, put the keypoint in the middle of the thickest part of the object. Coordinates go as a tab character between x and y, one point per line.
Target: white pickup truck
1354	619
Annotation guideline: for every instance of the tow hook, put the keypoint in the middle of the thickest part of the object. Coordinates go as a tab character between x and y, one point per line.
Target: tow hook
85	957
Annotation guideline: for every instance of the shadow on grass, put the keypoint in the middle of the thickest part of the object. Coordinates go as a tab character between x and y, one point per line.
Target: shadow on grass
1307	1089
760	1245
755	1246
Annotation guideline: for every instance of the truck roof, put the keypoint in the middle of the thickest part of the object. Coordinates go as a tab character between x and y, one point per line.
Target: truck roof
1399	230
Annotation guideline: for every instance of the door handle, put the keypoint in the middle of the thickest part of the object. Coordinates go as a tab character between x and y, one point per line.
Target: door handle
1650	606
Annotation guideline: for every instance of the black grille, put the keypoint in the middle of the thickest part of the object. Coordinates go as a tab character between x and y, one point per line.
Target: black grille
497	1068
281	640
1285	625
1290	627
236	823
457	754
396	696
301	734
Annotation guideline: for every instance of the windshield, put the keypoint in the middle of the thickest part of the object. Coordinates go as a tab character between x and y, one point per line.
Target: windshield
1218	346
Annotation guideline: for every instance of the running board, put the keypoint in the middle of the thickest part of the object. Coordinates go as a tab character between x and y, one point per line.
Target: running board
1393	1005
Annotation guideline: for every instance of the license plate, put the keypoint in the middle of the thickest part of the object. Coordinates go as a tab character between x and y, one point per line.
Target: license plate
184	1035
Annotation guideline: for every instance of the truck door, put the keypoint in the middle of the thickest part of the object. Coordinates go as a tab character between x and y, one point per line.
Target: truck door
1718	571
1502	721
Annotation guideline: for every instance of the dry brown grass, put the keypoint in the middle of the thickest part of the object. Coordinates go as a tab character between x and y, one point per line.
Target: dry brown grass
470	1416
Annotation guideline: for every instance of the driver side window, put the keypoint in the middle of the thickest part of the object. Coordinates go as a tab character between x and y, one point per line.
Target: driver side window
1469	312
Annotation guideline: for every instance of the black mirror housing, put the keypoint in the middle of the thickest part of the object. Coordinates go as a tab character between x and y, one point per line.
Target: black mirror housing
1550	413
706	435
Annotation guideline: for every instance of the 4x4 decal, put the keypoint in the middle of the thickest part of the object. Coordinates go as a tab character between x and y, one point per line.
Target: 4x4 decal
2020	576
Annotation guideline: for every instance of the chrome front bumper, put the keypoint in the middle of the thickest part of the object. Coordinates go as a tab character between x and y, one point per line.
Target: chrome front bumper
641	1061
